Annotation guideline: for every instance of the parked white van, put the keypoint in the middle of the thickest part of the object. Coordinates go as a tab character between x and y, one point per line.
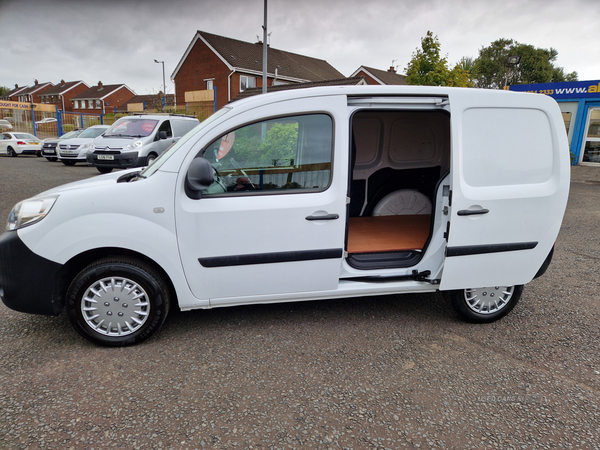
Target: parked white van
136	141
301	195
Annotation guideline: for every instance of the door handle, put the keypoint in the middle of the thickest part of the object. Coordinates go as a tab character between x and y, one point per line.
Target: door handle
472	212
325	217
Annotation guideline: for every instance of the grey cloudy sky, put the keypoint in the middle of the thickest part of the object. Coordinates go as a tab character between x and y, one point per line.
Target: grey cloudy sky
117	41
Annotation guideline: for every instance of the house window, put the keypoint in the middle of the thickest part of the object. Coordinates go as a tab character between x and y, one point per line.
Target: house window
247	82
75	104
282	155
97	104
209	85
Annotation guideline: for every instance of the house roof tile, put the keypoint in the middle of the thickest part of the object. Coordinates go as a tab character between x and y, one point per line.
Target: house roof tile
247	57
35	88
63	87
18	89
385	77
100	91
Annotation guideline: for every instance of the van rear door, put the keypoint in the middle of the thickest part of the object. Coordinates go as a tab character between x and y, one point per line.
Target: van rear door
510	180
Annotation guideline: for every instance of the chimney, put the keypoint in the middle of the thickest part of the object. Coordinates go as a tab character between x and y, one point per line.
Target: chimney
392	69
36	82
99	84
62	81
16	86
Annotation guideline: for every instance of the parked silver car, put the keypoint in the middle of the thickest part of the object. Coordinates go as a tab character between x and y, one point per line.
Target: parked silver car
71	151
49	150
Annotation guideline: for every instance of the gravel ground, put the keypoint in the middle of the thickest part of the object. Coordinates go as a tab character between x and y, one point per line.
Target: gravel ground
378	372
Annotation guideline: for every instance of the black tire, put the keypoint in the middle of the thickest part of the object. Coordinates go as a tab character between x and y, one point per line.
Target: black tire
104	169
11	152
484	305
38	154
105	292
68	162
151	158
51	158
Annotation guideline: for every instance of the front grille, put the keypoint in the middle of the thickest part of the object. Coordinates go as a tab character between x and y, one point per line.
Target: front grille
107	152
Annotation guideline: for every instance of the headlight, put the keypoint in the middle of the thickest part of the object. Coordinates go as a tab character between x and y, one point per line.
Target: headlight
136	144
29	212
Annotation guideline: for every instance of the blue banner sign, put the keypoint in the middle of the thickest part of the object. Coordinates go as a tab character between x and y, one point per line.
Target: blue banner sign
567	89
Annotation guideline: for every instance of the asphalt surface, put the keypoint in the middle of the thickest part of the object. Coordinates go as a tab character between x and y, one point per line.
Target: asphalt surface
377	372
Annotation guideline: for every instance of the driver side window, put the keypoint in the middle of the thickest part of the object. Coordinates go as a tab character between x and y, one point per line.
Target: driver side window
166	126
289	154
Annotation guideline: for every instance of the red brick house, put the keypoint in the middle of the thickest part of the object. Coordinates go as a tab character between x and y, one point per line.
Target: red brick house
233	66
11	95
352	81
376	76
61	94
102	98
32	94
148	103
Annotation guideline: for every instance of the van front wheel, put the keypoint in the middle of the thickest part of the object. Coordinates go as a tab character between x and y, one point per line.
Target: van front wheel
484	305
151	158
117	302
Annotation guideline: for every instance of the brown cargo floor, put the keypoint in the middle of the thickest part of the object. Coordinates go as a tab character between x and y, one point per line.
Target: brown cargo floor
388	233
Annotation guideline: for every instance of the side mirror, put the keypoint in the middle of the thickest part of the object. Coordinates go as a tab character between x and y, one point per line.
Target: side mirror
199	177
162	135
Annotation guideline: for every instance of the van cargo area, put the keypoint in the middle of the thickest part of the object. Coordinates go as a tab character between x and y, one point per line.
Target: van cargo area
398	161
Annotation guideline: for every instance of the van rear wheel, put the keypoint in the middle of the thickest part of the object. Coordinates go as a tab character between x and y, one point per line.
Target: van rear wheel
104	169
484	305
117	302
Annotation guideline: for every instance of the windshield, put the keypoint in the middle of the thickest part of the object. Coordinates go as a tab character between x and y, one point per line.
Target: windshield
92	132
128	127
71	134
158	162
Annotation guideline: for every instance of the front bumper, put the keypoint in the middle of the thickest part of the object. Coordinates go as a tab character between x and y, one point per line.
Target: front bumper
119	161
26	279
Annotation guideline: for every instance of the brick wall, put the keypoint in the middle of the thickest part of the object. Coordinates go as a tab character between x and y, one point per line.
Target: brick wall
201	64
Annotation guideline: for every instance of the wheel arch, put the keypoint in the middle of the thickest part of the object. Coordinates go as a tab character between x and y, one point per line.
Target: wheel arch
71	269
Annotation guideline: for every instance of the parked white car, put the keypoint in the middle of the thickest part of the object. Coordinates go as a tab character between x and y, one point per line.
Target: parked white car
304	194
15	144
5	125
71	151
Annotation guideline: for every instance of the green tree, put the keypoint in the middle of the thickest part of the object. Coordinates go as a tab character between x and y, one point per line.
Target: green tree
3	90
536	65
428	68
280	144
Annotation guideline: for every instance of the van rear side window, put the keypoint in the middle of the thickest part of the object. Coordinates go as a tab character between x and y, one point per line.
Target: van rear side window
517	143
283	154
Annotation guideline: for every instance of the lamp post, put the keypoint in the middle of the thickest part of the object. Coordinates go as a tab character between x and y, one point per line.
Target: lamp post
512	61
164	87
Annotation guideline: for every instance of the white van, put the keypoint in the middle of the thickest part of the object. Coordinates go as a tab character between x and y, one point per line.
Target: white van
135	141
301	195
